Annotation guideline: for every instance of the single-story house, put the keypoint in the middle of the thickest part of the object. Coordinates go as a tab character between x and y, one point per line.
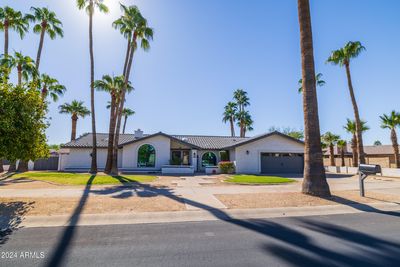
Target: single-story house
267	153
382	155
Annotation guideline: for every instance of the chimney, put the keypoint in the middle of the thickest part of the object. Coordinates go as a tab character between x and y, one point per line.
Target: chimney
138	133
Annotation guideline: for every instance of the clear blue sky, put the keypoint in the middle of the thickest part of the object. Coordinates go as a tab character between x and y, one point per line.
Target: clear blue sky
204	49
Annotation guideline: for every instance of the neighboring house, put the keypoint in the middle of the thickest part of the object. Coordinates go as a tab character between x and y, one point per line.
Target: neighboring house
268	153
382	155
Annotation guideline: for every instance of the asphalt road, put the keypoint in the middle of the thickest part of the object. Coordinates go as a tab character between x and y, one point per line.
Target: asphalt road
365	239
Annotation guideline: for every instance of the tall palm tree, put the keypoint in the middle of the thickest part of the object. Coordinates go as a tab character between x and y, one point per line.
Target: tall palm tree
391	122
242	101
46	22
50	87
341	144
314	182
90	6
14	20
127	112
229	115
318	80
25	65
330	140
342	57
350	127
76	109
113	86
134	27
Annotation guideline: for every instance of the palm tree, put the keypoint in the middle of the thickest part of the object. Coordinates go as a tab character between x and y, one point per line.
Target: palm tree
127	112
314	182
342	57
229	115
377	143
132	26
330	140
248	124
391	122
318	79
350	127
76	109
113	86
341	144
50	87
25	66
242	101
14	20
89	6
47	22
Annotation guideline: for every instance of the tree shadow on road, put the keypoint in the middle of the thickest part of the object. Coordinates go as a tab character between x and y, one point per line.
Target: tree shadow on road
285	244
11	216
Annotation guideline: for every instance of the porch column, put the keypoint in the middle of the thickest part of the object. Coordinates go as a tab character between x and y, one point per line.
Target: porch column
194	159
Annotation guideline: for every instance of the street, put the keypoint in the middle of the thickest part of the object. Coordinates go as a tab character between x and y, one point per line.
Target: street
363	239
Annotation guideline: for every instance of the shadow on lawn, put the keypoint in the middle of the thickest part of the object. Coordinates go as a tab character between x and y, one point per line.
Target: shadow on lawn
282	242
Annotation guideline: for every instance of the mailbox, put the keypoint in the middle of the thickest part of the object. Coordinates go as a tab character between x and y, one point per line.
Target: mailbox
369	169
364	170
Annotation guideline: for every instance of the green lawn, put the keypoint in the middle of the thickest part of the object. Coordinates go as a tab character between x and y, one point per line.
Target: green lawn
256	179
66	178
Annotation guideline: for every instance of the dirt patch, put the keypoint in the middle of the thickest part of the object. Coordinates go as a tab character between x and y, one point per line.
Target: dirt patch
289	199
94	205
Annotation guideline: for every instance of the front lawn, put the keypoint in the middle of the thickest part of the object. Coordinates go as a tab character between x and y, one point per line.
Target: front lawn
257	179
66	178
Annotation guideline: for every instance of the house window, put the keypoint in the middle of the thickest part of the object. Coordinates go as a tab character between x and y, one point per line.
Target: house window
208	159
146	156
180	157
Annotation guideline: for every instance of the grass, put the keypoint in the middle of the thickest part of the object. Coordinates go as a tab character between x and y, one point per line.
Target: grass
65	178
258	179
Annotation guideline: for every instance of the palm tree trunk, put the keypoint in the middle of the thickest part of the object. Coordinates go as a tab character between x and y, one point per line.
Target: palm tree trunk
40	45
44	92
342	156
12	167
93	167
1	166
111	131
314	182
6	38
127	56
123	128
22	166
354	150
393	137
232	127
19	68
332	155
73	130
360	145
114	169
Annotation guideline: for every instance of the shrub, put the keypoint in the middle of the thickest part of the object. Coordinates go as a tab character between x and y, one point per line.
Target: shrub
227	167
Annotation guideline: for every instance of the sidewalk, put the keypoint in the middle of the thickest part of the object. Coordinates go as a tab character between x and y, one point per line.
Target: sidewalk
203	215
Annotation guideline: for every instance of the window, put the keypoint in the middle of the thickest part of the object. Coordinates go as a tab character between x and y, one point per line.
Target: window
180	157
208	159
146	156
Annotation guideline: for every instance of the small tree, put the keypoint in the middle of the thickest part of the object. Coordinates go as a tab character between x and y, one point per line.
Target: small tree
377	143
22	131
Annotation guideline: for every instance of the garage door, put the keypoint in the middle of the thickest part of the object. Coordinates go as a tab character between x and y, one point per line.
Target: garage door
282	163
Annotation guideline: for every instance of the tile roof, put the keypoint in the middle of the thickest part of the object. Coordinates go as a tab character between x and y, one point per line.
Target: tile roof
197	141
210	142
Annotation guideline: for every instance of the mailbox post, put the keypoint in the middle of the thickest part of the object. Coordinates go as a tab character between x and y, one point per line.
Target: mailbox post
364	170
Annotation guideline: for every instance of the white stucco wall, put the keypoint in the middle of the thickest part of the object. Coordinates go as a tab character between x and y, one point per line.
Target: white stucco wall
162	146
80	158
251	163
